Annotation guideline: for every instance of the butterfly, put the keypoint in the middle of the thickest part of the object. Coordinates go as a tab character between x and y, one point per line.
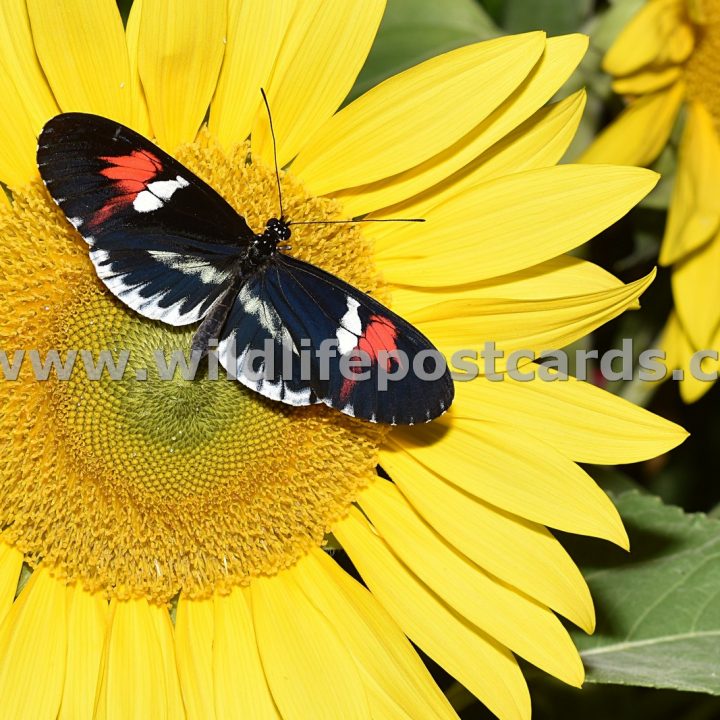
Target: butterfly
172	249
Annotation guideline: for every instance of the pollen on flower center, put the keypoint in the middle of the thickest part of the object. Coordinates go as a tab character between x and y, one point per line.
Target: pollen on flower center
703	67
704	12
152	486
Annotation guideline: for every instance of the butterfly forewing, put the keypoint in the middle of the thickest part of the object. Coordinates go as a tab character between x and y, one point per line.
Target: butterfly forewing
161	239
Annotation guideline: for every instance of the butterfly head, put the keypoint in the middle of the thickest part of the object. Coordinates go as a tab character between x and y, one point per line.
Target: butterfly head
273	238
277	229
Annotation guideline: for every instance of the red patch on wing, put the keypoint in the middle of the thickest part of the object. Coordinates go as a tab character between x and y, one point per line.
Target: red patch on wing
138	165
130	175
380	336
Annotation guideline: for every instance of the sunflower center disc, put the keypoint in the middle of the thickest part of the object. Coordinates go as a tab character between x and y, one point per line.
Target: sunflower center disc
150	487
703	68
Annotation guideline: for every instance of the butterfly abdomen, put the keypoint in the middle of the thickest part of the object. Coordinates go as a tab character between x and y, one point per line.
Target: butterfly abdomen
214	321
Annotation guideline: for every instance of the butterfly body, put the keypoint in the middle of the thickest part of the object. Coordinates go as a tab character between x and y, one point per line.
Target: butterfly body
172	249
259	254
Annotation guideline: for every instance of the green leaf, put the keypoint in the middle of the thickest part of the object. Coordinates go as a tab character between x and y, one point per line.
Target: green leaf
415	30
659	606
554	16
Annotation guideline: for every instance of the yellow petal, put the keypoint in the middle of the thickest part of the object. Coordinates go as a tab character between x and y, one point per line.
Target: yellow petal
514	471
695	284
455	644
679	351
33	643
133	682
194	633
561	56
140	116
539	142
17	136
641	132
579	420
87	628
255	32
398	683
648	81
101	690
164	630
563	276
510	223
82	49
179	55
405	120
18	56
674	342
534	325
298	647
11	560
657	35
241	689
695	208
522	624
319	60
517	551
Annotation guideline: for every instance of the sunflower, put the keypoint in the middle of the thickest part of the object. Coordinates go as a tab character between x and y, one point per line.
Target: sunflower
667	62
164	548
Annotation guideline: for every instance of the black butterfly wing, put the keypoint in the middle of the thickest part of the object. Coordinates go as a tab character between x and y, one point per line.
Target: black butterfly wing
161	239
304	308
170	247
258	349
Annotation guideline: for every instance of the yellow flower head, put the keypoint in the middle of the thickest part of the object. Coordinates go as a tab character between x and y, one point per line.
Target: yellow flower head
161	550
665	60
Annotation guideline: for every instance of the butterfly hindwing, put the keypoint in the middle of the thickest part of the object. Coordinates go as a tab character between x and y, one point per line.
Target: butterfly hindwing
255	326
299	306
161	239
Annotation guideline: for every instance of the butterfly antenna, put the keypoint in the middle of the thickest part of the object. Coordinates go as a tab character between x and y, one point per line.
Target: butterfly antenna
314	222
272	133
352	222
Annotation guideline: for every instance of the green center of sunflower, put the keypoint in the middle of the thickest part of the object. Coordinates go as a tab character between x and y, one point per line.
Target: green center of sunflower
146	485
703	68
